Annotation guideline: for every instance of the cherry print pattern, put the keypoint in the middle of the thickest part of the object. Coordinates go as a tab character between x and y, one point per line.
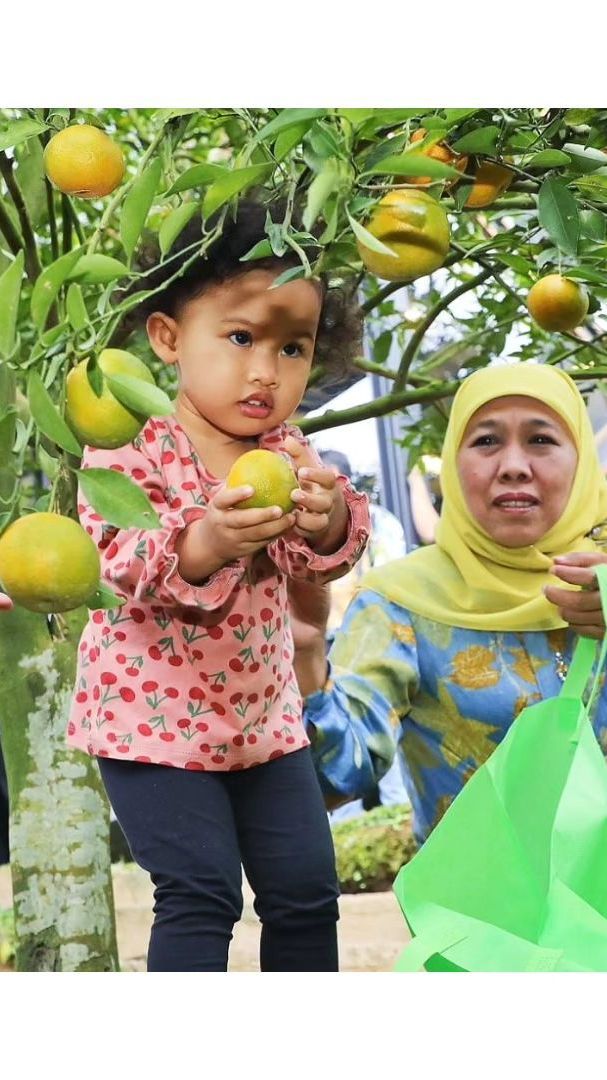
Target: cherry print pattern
194	677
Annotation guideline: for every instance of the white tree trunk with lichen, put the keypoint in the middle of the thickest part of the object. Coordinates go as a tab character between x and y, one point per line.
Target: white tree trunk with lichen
59	824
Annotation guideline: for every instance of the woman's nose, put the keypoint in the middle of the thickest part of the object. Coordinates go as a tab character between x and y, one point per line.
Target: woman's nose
514	462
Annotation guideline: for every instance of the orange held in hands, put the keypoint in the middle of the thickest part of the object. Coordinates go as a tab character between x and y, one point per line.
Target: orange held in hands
271	476
415	227
557	303
102	421
82	160
48	563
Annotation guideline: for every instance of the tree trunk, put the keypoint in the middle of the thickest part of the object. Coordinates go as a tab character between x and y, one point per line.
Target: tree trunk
59	822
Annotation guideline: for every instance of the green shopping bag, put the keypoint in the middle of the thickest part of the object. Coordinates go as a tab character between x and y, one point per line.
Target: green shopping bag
514	877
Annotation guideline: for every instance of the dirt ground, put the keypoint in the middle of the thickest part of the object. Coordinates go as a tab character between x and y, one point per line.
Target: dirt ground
371	929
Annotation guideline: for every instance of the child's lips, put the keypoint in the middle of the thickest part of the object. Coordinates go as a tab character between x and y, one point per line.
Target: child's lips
256	407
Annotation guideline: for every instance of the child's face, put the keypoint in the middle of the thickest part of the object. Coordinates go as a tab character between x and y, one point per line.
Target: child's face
244	351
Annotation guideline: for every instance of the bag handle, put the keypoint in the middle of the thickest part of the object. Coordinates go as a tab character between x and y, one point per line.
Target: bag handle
585	653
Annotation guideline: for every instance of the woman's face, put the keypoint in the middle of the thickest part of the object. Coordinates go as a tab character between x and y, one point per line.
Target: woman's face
516	466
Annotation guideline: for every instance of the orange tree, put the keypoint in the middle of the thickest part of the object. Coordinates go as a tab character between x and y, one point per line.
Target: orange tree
500	198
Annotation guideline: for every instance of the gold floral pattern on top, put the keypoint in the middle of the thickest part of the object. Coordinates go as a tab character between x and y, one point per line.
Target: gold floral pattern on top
557	639
465	738
404	634
524	700
521	665
473	668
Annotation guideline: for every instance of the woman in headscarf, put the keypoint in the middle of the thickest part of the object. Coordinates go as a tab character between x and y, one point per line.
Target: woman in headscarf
441	650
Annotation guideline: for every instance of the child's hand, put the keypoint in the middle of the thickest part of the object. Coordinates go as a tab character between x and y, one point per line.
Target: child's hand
322	515
232	533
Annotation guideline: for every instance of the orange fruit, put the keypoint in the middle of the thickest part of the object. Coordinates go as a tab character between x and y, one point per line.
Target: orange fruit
440	151
103	421
48	563
82	160
270	474
557	303
415	227
490	181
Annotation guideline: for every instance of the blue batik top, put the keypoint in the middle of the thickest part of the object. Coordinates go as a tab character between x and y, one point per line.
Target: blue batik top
448	695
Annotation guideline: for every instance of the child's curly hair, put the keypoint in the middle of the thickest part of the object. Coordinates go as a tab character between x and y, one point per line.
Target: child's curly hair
339	338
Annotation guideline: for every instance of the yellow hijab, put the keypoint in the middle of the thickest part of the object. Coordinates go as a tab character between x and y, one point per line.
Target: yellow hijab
467	579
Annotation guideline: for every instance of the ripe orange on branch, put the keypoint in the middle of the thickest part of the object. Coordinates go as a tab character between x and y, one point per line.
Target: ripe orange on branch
490	181
48	563
557	303
82	160
415	227
103	421
439	151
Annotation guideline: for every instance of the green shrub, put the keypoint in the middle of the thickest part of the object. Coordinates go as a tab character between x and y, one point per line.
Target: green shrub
371	848
7	937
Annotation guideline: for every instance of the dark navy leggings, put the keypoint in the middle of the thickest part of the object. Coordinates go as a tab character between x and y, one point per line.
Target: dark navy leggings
192	830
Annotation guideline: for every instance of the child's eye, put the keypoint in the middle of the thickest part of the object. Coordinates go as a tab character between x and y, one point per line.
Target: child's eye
241	337
544	440
292	349
485	440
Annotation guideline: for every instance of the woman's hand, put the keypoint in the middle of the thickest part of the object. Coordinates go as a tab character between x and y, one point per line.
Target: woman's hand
581	609
5	602
322	514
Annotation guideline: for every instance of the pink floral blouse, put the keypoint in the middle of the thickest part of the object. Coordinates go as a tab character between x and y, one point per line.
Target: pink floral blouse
197	677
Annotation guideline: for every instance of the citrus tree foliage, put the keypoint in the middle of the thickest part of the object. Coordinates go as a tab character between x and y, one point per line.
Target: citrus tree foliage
67	263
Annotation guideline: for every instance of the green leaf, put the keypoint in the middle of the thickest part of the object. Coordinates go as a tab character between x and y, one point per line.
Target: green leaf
455	116
141	397
586	159
319	191
8	428
558	214
480	141
17	131
232	184
593	187
593	224
323	142
76	308
48	284
261	250
367	238
286	119
585	273
136	206
48	418
548	159
118	499
10	291
516	262
576	117
289	139
97	270
103	597
382	346
197	176
174	223
30	177
412	163
292	274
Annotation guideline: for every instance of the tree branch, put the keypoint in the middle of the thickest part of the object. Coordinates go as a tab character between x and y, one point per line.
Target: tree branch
416	338
382	406
32	262
9	231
